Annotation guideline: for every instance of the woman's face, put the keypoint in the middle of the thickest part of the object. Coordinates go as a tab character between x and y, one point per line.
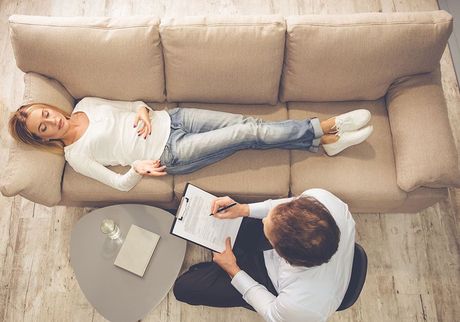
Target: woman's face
46	122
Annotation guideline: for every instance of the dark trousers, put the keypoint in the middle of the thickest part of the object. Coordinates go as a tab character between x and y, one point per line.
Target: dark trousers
207	284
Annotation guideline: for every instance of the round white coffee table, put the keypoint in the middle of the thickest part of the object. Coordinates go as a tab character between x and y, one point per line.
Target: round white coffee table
115	293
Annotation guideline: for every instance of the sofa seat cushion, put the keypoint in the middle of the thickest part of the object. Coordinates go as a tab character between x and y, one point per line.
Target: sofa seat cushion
221	59
116	58
79	188
364	176
421	198
247	175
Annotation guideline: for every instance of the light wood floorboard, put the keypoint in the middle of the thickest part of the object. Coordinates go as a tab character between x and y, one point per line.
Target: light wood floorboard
414	262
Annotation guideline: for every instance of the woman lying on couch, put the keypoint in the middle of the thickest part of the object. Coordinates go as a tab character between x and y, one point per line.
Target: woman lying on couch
100	132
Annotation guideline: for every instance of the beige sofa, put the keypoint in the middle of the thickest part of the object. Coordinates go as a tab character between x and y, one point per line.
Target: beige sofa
268	66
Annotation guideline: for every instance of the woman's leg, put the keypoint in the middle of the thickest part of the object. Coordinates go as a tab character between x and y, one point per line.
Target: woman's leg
200	137
193	120
193	151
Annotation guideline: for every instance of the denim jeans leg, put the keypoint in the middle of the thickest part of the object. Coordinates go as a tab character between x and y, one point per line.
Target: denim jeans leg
318	133
196	150
193	120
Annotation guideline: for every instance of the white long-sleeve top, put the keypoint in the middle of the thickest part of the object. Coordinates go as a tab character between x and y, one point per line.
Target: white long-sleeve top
111	139
304	294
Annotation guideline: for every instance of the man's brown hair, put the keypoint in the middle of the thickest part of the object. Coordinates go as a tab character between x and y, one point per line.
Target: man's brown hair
304	232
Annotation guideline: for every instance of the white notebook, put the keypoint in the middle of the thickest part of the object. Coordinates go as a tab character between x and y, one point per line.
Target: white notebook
137	249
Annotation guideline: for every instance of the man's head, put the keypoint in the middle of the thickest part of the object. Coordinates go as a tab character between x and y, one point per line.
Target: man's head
303	232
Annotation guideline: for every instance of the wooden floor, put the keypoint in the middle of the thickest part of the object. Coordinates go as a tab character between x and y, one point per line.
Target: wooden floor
414	269
453	7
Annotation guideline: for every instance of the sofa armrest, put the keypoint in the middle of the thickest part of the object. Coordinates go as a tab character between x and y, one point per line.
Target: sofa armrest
30	172
34	174
424	148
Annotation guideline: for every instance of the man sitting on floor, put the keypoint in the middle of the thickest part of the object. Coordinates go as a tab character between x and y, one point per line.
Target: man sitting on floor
294	265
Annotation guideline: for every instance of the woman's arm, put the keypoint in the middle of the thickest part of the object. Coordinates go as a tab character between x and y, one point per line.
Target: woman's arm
95	170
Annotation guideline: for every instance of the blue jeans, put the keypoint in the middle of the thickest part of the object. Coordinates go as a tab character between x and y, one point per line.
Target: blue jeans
202	137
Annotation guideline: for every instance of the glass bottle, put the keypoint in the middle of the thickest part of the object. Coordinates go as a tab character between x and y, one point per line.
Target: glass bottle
110	229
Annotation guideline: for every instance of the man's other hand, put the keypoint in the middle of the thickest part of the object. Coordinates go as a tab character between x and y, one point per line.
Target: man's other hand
227	260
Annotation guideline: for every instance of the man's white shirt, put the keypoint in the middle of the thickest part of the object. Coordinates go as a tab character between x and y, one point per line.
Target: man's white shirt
304	294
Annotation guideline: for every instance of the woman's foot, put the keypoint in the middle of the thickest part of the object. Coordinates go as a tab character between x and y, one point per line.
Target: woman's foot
345	140
329	138
346	122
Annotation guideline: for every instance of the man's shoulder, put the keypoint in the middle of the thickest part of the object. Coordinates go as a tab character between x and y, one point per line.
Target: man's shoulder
327	198
337	208
322	193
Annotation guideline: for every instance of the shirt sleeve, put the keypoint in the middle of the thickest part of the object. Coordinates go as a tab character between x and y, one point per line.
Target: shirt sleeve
272	308
95	170
261	209
122	105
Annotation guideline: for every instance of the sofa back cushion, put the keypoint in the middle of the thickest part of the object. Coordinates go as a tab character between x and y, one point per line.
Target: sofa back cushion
41	89
358	56
219	59
115	58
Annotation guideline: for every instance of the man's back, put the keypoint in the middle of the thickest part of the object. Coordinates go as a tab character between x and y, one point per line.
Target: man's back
315	292
316	234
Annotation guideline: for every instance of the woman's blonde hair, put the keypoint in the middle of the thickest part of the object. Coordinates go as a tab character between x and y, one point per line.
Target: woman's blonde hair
19	131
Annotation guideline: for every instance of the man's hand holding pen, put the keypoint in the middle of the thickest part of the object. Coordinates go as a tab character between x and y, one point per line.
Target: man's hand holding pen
227	208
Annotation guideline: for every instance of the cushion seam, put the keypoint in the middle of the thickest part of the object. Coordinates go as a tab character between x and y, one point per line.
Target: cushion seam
222	25
83	27
364	24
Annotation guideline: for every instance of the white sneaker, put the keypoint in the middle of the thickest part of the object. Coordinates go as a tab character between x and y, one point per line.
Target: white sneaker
351	121
348	139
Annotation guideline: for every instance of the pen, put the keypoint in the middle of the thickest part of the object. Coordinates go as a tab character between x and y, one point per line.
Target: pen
226	207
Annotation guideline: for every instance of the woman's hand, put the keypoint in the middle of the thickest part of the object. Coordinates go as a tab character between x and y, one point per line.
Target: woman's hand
151	168
239	210
143	115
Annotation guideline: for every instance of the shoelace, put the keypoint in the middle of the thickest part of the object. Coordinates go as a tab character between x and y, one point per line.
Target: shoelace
339	125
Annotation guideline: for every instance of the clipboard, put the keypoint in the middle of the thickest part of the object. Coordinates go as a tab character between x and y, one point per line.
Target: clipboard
185	209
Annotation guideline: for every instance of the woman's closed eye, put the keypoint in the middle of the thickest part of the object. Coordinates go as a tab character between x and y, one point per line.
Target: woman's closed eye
45	114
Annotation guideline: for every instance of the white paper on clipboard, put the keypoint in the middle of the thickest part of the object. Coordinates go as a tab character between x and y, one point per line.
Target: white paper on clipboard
194	223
